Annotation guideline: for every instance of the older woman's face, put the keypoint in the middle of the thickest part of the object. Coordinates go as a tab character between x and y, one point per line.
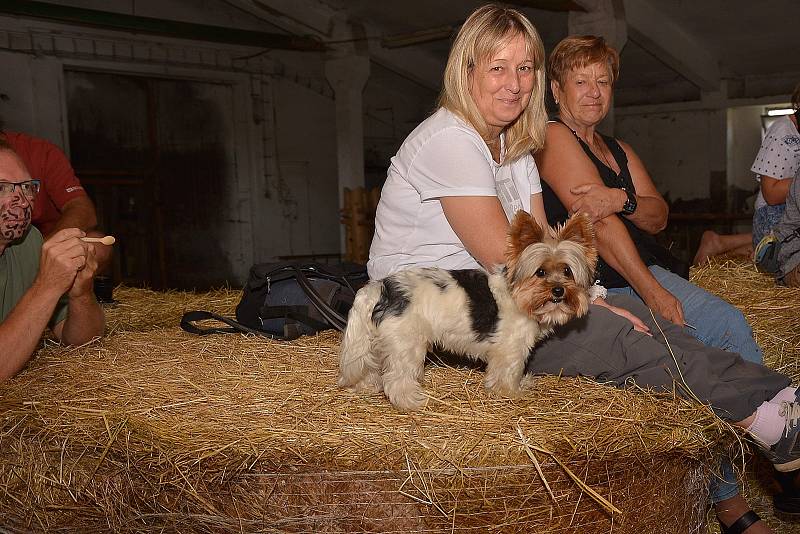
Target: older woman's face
501	86
586	94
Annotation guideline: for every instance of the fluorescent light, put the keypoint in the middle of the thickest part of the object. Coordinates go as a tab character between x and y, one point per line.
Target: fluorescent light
779	111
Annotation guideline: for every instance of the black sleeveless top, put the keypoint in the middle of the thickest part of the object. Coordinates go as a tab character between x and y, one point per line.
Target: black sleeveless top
557	213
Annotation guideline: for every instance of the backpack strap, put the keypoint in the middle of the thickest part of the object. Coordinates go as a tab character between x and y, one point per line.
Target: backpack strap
332	316
291	331
295	313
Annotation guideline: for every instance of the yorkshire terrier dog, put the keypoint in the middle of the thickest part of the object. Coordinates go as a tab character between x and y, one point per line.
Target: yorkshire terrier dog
496	318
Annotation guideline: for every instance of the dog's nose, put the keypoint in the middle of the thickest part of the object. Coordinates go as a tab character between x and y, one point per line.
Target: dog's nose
558	292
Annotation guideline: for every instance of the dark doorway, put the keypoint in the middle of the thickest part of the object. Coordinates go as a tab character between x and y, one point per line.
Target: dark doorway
156	156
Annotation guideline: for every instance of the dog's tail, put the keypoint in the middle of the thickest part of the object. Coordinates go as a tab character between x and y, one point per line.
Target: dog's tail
356	359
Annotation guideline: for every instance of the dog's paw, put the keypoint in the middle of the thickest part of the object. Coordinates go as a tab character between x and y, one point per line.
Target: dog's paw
409	405
372	383
503	388
527	383
406	396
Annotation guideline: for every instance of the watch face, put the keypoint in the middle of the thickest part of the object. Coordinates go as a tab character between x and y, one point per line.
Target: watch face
630	205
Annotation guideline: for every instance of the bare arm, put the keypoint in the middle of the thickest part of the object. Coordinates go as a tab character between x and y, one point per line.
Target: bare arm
84	322
22	329
775	191
85	319
564	165
481	225
66	264
616	247
77	213
587	192
652	211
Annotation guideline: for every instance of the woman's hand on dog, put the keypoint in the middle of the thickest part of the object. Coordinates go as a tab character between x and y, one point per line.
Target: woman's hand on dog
638	325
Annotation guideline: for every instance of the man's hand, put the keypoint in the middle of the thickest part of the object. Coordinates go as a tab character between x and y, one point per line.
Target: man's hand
663	302
597	201
84	279
64	256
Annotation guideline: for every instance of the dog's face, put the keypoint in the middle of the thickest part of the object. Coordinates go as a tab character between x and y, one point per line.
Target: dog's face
550	270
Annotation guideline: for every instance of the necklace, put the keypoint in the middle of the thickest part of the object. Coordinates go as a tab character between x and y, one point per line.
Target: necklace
598	151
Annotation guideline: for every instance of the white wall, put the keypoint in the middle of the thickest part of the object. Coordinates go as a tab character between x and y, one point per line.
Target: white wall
693	152
31	95
676	148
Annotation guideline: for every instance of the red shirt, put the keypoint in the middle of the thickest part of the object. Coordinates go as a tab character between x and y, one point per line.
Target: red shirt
47	163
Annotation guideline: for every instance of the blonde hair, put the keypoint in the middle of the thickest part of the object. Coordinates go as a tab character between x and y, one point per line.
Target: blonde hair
487	30
578	51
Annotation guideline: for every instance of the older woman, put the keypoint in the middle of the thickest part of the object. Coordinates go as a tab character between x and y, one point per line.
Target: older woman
585	171
460	176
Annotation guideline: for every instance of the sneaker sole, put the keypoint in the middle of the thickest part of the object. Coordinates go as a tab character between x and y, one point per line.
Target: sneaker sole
762	249
788	466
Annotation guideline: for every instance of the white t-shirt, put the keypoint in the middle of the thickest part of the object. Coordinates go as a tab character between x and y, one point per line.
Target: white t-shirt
442	157
779	156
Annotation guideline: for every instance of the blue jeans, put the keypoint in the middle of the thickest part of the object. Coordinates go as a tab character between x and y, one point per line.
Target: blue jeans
716	323
765	219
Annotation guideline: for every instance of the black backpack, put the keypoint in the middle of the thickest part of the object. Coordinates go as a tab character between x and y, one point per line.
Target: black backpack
289	299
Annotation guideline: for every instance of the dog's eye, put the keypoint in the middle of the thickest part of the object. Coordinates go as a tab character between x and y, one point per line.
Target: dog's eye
540	272
568	272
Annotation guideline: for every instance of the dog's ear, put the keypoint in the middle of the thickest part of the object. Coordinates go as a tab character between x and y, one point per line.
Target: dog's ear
523	232
579	229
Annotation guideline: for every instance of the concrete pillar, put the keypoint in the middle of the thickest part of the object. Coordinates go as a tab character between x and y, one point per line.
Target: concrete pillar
605	18
716	149
348	75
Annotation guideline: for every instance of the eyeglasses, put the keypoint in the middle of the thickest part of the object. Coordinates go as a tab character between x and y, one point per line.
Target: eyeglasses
29	188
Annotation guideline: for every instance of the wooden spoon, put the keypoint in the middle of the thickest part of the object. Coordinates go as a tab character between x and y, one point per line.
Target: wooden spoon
105	240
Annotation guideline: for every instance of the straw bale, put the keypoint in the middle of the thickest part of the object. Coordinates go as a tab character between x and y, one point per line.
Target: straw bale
770	309
772	312
136	309
161	430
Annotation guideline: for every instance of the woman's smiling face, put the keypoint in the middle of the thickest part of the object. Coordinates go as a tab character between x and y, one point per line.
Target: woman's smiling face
501	86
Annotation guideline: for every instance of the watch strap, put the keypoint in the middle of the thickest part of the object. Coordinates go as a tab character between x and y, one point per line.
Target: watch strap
630	204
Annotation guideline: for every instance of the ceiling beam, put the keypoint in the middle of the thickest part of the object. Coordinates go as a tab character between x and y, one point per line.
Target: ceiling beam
318	19
674	45
418	37
155	26
548	5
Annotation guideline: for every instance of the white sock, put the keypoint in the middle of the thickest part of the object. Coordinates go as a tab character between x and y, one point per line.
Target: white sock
786	394
768	426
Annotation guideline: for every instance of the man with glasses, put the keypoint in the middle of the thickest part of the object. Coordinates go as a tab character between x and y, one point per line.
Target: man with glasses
40	283
62	202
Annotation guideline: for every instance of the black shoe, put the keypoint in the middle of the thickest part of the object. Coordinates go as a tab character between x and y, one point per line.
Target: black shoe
747	519
104	289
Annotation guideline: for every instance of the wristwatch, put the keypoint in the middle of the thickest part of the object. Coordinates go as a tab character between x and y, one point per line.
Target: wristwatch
630	205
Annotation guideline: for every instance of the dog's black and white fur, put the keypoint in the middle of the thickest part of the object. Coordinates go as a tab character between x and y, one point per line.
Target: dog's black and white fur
496	318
